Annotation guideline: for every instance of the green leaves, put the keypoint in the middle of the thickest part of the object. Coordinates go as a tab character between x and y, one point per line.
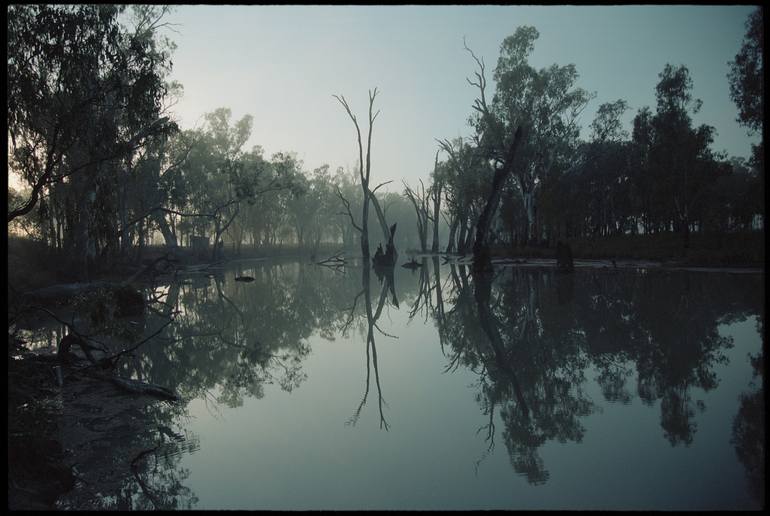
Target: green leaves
746	75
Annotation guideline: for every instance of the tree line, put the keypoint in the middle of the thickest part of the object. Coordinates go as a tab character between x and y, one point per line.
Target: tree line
662	177
105	167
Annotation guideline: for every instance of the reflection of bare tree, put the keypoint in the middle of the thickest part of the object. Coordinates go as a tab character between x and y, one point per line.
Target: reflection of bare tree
371	324
423	302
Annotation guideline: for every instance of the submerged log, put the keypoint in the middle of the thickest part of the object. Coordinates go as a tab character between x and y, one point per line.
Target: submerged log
244	278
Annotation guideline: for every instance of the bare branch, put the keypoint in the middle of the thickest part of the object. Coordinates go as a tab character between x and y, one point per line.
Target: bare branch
479	104
344	103
372	96
347	207
379	185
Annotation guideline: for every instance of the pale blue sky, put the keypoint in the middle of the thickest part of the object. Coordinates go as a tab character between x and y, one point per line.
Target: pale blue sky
282	64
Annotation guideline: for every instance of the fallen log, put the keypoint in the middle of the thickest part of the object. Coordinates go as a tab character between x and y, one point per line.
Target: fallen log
137	387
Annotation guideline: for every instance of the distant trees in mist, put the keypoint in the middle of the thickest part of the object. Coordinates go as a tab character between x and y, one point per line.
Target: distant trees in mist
104	167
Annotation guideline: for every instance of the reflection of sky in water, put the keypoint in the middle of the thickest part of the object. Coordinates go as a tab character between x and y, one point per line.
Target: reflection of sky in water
294	450
299	450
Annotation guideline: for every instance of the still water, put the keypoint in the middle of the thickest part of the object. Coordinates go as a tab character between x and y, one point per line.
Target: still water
311	388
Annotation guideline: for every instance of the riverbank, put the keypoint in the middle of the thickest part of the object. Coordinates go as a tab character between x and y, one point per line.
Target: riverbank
741	250
33	266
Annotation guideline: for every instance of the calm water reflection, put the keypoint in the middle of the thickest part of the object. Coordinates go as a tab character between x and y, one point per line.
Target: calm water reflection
433	388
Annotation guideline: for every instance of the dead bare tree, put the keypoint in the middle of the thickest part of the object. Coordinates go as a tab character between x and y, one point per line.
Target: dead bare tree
364	172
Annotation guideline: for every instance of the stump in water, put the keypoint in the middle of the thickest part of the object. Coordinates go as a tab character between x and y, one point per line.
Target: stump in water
387	258
564	257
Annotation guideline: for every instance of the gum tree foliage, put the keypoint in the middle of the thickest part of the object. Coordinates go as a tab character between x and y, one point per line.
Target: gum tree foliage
466	177
220	177
545	102
747	86
680	153
746	75
84	94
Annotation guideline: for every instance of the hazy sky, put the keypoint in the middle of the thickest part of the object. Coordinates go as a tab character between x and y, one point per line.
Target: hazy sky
282	64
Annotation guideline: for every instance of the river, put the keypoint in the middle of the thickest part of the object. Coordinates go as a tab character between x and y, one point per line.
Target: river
314	388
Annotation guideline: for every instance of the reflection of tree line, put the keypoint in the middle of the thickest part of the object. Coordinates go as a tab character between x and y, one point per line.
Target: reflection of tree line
236	337
532	335
226	336
749	430
128	457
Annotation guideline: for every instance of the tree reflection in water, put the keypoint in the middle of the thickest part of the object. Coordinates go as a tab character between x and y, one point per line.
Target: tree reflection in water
226	342
385	277
531	336
749	429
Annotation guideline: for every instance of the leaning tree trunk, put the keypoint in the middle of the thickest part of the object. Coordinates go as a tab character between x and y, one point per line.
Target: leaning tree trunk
481	258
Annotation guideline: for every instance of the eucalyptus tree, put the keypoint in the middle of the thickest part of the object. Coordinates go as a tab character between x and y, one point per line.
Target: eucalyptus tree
310	207
466	177
746	75
325	206
536	109
747	86
84	94
680	151
604	169
221	176
644	197
345	187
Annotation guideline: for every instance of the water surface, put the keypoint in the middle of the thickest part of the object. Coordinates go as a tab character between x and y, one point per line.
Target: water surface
310	388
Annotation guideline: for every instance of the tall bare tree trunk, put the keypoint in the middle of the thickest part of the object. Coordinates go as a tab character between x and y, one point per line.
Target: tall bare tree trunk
365	173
